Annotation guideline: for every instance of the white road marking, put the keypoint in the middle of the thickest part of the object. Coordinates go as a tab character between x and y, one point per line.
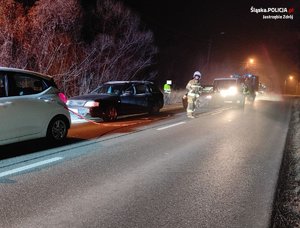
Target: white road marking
34	165
172	125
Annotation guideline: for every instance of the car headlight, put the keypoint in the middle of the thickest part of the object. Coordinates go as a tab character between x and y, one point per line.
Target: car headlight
231	91
90	104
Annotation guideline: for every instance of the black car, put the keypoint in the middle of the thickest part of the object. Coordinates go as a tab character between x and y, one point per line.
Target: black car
116	98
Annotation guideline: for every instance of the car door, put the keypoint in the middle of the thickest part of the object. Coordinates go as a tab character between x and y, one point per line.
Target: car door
23	113
141	97
6	123
155	97
127	97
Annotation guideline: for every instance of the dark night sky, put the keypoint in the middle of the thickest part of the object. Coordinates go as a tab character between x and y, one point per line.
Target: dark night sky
184	31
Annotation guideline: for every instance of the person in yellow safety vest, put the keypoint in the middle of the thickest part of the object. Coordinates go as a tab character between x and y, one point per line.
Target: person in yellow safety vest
167	88
194	90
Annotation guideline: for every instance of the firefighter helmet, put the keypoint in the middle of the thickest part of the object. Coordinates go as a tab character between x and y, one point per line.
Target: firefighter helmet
197	75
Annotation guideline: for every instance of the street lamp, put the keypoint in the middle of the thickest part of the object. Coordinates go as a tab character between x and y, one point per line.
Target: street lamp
250	65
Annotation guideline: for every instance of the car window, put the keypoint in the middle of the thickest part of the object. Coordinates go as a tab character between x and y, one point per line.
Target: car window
128	90
24	84
115	89
140	88
109	89
153	88
2	85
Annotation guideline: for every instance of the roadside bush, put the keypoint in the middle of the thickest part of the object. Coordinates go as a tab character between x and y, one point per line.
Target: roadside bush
79	46
174	97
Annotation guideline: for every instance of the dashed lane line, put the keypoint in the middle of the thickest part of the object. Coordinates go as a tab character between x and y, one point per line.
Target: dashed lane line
31	166
169	126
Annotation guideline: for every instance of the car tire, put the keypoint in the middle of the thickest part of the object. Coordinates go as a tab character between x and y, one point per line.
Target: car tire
154	109
110	114
57	129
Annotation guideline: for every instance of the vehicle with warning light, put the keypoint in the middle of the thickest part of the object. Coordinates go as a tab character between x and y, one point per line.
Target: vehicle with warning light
228	90
236	89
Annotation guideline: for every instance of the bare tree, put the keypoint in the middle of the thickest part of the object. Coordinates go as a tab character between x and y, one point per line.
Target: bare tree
12	26
47	37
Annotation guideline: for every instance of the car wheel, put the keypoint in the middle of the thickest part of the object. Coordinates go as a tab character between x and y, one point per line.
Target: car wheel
57	129
154	109
110	114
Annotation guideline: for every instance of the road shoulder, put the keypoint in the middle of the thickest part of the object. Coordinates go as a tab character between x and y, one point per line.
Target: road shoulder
287	202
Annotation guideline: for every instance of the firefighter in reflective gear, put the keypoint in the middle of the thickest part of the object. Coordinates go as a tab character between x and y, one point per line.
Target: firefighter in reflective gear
194	90
250	88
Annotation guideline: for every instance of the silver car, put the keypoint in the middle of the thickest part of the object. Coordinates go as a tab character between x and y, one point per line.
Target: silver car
31	107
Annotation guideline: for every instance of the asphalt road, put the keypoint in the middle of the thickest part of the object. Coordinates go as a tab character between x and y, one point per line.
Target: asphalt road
217	170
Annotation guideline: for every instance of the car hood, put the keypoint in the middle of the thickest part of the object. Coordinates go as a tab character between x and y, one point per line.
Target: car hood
94	97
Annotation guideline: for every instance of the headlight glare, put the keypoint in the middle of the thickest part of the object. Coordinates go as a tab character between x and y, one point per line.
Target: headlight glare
90	104
231	91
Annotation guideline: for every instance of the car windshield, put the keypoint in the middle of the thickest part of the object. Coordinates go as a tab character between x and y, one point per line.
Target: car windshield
109	89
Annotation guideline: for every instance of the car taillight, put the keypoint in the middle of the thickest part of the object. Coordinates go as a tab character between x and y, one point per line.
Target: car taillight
63	97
